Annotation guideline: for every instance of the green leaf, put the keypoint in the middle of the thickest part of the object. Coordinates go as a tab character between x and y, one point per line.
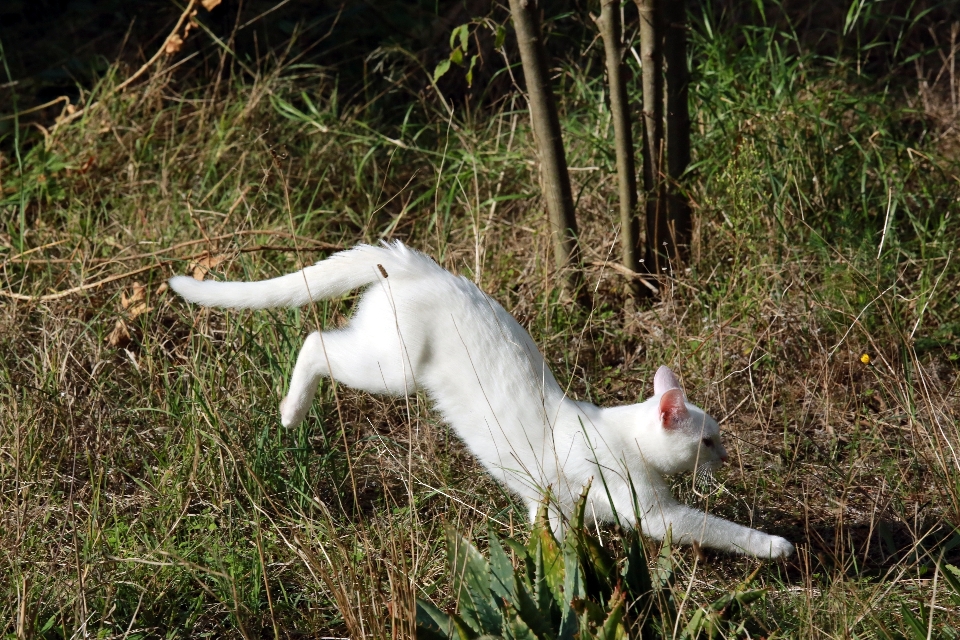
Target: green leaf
663	573
596	565
916	627
612	628
463	34
501	36
471	585
636	573
48	624
456	56
576	522
544	549
744	598
708	620
600	558
524	555
541	521
536	617
568	625
517	547
597	569
464	631
473	63
541	590
589	610
731	607
312	108
951	575
553	564
442	67
433	624
698	621
501	571
573	586
287	110
515	628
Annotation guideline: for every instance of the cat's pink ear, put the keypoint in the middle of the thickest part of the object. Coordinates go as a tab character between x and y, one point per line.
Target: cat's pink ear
664	381
673	411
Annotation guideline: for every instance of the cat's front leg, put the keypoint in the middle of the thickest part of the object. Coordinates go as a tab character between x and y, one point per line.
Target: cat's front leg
689	525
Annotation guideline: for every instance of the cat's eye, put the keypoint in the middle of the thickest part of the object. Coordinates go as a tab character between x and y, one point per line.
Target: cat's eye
708	442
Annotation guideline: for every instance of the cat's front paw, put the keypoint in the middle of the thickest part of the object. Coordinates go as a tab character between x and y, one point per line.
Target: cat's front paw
775	547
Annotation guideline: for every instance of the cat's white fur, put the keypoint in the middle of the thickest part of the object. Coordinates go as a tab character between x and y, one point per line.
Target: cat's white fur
418	326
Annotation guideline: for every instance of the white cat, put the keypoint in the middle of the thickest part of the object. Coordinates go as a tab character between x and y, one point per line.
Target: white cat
418	326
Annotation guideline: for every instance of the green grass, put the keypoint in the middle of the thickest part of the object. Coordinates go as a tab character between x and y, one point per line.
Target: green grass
147	489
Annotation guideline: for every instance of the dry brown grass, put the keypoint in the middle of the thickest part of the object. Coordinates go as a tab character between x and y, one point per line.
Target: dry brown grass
146	488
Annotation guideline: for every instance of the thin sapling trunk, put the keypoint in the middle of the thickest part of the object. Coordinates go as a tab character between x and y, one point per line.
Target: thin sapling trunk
678	125
631	249
658	233
546	129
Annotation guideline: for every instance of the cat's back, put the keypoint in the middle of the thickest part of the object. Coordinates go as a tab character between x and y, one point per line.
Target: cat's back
398	261
414	279
457	315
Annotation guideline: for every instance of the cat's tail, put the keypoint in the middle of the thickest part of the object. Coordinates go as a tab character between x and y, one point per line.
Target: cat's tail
337	275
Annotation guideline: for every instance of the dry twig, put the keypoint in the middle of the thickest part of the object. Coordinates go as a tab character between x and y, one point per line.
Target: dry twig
317	245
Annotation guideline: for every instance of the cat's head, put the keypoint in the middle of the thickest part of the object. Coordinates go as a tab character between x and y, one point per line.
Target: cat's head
689	438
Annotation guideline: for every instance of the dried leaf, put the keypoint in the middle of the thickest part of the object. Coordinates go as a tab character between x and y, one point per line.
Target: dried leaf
173	45
209	4
120	336
136	304
163	287
191	24
203	266
138	309
137	295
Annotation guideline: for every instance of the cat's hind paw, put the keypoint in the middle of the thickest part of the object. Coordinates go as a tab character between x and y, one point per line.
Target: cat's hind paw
291	413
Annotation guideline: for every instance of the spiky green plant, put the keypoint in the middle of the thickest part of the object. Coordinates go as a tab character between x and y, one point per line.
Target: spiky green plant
576	588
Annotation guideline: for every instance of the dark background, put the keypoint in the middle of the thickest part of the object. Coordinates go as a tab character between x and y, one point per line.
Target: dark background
62	47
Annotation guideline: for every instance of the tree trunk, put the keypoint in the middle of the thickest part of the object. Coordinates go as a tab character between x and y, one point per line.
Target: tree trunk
678	124
630	246
658	231
546	129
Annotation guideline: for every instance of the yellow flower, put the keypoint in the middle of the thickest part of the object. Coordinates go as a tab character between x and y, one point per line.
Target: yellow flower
865	359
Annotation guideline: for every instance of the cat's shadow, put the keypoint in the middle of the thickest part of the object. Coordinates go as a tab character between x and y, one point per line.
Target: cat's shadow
859	550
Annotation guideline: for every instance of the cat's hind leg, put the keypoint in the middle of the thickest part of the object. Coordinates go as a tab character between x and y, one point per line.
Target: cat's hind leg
303	382
350	356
